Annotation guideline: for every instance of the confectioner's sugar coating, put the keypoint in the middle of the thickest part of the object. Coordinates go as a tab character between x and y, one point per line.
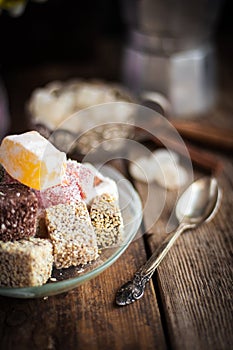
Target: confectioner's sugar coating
77	184
102	185
107	220
18	212
81	175
32	160
26	262
107	185
72	235
60	194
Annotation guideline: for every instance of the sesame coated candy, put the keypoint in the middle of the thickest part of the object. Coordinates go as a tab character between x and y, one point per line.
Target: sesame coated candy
72	235
107	220
25	262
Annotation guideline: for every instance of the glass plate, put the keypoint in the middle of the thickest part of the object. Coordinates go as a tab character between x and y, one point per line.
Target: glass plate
66	279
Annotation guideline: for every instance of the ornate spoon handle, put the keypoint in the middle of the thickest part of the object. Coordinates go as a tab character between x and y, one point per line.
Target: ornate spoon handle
134	289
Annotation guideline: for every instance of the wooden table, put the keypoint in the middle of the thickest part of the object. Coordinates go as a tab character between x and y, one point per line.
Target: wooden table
188	305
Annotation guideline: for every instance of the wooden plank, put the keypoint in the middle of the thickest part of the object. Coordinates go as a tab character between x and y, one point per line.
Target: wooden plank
86	317
195	279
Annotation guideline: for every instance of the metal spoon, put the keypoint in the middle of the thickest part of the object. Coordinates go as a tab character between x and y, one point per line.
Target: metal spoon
197	204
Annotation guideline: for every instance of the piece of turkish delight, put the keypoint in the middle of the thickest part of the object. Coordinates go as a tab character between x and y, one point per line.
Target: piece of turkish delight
18	212
72	235
107	221
32	160
25	263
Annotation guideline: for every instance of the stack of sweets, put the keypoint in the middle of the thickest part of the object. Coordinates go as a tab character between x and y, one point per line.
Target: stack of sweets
39	188
76	186
33	163
24	260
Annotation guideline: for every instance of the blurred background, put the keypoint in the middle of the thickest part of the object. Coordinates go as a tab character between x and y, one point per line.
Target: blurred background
103	39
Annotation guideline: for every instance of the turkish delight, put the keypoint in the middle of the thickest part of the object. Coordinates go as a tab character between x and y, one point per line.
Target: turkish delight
72	235
18	212
107	220
26	262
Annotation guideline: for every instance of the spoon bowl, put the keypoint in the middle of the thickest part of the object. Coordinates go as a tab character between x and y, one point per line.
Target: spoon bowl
198	202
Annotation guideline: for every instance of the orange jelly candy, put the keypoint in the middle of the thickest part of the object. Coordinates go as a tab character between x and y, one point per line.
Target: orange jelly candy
32	160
